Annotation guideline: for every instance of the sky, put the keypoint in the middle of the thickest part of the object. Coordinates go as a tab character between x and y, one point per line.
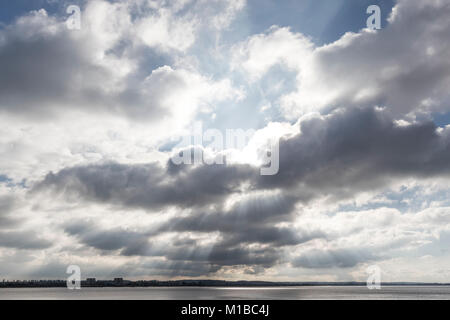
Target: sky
91	119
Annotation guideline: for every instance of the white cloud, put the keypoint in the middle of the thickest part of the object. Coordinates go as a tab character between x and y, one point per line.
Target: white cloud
166	32
279	46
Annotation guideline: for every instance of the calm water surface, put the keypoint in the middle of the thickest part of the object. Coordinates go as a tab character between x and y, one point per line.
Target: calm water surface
202	293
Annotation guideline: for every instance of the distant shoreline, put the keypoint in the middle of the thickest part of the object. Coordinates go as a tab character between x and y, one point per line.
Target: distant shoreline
120	283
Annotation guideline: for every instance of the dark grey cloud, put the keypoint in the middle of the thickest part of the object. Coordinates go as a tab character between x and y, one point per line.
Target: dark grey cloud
7	204
108	240
23	240
42	71
358	149
169	268
252	221
256	212
180	254
11	235
148	186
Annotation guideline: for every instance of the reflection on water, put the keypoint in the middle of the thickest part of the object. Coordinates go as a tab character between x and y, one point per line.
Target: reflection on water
202	293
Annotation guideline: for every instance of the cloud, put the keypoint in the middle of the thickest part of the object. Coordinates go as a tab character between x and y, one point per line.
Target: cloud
278	46
363	170
252	219
6	206
339	258
54	66
403	66
16	231
95	70
359	149
337	157
149	185
105	240
177	25
23	240
210	257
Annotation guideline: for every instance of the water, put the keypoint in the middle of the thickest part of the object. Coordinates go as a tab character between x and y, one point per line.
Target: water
213	293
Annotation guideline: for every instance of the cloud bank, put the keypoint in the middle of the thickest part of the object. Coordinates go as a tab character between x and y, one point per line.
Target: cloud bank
89	119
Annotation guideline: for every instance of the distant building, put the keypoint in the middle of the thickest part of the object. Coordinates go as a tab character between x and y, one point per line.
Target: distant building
91	281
